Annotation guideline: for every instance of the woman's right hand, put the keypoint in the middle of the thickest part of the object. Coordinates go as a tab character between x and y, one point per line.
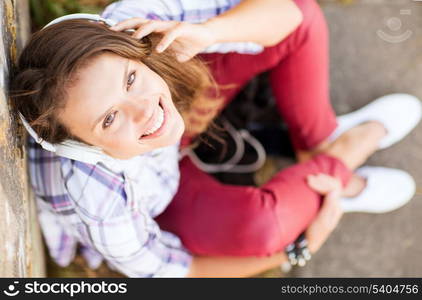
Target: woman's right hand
185	38
330	212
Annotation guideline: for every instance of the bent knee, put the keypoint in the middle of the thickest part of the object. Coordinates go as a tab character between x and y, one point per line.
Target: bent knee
310	13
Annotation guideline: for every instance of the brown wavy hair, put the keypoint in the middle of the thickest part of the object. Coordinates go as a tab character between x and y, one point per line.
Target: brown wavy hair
48	63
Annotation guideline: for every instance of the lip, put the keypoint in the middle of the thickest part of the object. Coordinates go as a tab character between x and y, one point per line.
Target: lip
160	130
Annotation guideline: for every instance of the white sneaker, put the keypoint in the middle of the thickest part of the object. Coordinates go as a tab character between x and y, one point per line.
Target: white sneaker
386	190
399	113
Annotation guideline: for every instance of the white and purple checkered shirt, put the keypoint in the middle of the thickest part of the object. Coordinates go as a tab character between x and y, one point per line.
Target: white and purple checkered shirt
110	213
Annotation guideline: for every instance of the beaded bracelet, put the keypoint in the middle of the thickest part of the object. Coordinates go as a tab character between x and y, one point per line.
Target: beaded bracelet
298	252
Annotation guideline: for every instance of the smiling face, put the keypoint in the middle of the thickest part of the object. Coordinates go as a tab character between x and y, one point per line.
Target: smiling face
121	106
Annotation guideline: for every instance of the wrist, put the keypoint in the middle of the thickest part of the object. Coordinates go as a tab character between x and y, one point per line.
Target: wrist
298	252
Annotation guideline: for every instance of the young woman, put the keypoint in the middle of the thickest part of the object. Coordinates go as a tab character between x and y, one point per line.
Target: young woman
107	105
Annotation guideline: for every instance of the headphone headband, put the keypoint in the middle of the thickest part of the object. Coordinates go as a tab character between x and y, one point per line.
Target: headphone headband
70	148
92	17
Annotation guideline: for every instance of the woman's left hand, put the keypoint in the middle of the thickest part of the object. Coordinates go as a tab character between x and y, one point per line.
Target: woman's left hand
330	212
190	38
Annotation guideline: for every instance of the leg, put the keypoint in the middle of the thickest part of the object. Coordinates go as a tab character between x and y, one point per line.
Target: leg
302	101
218	219
300	81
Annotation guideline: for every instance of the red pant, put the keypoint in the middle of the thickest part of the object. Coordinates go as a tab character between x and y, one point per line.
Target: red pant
213	218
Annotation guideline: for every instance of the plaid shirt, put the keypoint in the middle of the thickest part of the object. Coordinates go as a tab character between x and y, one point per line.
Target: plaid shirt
110	214
192	11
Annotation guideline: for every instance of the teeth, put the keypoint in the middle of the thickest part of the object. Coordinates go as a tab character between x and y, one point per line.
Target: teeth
157	123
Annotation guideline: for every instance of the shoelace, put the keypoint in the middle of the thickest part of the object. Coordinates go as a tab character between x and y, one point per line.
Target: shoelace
232	165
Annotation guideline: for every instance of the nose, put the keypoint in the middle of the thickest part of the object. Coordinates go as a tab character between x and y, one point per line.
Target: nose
139	110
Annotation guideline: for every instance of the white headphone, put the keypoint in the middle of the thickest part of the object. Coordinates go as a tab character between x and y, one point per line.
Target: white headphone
92	17
93	155
70	148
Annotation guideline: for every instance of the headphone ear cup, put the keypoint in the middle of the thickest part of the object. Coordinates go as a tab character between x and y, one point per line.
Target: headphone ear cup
46	145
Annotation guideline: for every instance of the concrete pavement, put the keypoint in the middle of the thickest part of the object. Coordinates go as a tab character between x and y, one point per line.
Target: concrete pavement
375	50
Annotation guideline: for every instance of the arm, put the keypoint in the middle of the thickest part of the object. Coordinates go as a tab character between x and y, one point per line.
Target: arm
265	22
254	21
136	247
233	266
111	221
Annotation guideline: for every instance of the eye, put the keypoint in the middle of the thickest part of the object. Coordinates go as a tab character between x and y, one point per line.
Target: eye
108	120
131	79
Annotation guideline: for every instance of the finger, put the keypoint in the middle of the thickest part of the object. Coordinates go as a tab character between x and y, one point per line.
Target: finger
329	180
323	183
319	184
144	30
152	26
129	24
168	38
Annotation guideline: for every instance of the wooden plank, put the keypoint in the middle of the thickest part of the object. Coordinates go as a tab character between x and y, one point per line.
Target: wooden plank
21	252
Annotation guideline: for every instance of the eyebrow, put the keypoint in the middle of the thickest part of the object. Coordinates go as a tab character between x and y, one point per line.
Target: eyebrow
125	75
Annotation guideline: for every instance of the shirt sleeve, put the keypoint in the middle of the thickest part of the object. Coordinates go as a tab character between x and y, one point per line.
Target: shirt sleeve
61	245
127	237
192	11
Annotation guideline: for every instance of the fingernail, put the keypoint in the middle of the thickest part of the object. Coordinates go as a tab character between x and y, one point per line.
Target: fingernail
159	48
